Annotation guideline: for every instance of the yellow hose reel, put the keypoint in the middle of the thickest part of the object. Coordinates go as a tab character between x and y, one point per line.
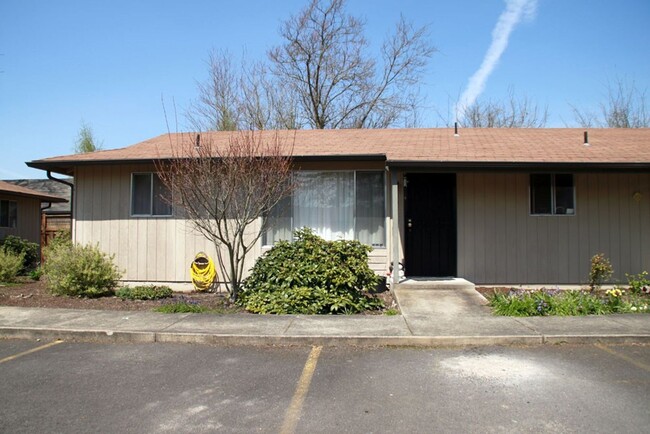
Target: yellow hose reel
203	272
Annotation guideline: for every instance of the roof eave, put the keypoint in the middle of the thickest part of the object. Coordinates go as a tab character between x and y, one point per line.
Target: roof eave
509	165
67	167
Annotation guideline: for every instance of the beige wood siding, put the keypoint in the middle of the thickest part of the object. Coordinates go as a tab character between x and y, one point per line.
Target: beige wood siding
149	249
28	224
500	242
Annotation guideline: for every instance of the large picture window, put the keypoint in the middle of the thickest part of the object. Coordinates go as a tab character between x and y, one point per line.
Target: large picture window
8	214
336	205
552	194
148	195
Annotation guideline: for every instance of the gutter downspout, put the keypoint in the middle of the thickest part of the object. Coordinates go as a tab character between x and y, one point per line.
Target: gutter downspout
71	185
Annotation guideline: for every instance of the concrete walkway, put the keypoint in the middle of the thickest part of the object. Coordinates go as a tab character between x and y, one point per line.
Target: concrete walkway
447	316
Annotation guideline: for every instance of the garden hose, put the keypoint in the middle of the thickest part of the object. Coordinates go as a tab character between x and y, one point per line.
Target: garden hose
203	272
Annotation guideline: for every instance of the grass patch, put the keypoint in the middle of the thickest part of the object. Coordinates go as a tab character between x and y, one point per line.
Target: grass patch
391	312
183	304
547	302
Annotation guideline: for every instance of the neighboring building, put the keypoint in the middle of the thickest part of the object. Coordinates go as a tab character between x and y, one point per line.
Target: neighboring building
55	217
20	211
494	206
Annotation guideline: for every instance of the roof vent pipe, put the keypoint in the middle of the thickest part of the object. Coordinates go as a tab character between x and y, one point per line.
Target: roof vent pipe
197	144
455	129
586	143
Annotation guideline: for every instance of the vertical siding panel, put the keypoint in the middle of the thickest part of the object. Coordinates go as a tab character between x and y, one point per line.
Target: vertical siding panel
595	245
542	250
582	210
521	228
563	247
604	228
153	251
170	252
614	208
625	202
532	250
574	237
480	252
644	205
490	228
636	225
501	215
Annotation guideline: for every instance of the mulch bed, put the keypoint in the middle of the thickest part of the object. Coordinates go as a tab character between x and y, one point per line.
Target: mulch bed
28	293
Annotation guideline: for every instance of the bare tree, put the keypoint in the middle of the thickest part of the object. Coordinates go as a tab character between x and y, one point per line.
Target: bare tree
226	188
235	97
513	112
336	83
217	106
86	141
626	107
266	103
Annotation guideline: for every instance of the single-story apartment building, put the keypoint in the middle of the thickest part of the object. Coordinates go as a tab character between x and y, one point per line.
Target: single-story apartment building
20	211
494	206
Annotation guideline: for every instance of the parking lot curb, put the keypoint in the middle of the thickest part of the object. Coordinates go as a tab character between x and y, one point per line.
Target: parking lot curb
107	336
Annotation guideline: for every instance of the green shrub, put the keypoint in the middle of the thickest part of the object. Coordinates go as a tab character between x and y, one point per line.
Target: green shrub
29	250
639	283
311	276
145	292
79	270
601	270
61	238
10	264
36	273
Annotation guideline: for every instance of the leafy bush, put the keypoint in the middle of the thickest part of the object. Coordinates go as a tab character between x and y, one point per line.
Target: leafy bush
144	292
29	250
601	270
639	283
79	270
36	273
311	276
10	264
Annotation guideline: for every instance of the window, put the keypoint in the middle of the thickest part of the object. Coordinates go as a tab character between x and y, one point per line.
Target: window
149	195
552	194
8	213
336	205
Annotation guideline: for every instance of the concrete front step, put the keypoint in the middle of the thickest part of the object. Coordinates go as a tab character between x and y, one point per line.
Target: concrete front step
434	283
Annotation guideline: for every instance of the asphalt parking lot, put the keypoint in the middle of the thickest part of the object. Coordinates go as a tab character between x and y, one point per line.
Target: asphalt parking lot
83	387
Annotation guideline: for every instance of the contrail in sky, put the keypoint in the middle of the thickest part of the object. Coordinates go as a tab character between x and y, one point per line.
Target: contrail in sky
510	17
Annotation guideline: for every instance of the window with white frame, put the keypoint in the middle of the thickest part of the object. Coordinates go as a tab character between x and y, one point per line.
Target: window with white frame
552	194
8	213
336	205
149	195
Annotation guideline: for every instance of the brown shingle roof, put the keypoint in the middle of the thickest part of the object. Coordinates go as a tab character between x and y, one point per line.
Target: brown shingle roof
478	146
6	187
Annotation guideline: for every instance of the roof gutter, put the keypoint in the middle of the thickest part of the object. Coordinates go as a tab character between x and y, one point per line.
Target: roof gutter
514	166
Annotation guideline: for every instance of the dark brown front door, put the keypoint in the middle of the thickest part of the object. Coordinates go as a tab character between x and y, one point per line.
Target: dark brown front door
430	225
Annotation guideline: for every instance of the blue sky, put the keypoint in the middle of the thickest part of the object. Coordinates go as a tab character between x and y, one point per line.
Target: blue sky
108	63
